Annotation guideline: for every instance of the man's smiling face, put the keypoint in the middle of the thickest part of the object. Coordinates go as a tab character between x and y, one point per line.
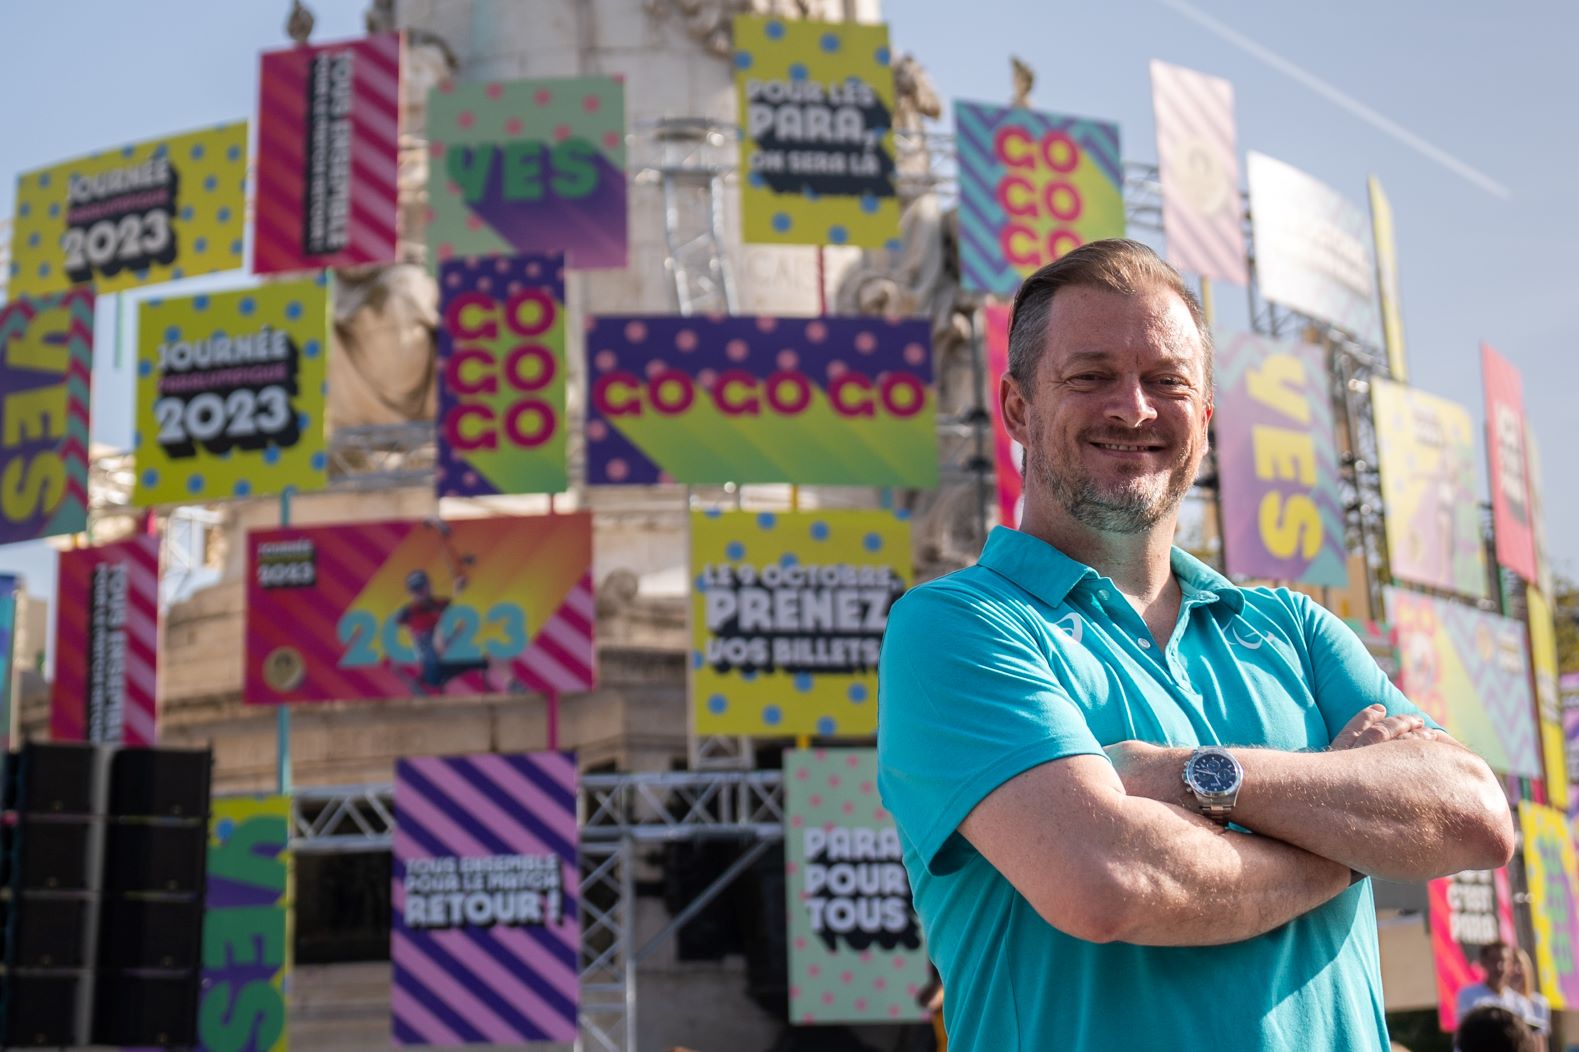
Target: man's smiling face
1114	417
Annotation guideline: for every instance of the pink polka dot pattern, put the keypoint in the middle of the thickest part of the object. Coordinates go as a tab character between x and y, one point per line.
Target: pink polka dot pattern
466	119
875	983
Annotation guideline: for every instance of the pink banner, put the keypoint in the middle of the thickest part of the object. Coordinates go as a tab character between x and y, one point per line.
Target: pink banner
106	644
1468	910
1510	484
1006	452
1198	165
328	151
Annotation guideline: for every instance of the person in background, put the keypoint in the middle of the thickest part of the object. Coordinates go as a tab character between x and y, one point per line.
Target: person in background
1492	1028
1522	979
1497	961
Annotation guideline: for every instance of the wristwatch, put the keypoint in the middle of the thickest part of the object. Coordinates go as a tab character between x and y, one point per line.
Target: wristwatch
1214	776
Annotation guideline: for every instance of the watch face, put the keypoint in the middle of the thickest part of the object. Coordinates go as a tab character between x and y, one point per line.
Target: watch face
1213	773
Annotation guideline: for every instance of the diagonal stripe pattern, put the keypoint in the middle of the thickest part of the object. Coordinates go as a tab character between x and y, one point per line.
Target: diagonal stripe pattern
468	970
83	641
1198	163
287	154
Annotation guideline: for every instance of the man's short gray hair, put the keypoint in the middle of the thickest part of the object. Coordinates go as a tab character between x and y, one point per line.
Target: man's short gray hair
1116	264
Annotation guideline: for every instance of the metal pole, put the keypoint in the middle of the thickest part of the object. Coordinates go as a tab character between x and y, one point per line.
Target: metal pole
282	713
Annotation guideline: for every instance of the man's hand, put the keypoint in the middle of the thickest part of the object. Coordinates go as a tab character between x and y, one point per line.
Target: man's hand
1152	771
1372	726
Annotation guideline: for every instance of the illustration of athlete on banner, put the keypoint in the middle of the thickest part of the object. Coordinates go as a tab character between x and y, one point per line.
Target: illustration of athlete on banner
417	608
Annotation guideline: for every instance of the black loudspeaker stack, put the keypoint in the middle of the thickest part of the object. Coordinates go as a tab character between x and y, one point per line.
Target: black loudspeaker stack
102	877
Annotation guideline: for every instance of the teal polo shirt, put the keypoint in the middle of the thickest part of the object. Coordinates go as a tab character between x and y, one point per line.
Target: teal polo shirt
1030	656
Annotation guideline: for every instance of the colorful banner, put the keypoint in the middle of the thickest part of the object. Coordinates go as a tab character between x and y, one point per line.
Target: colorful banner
816	106
1426	446
501	366
46	374
247	924
855	948
231	392
1469	671
1277	459
1548	697
1387	280
401	609
1534	477
834	401
1312	248
787	617
1032	186
486	935
1381	640
328	151
150	212
1568	692
9	587
1510	490
107	644
1007	454
1198	166
1468	911
1554	901
528	166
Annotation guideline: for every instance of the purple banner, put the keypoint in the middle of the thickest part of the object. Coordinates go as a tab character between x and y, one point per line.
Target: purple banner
46	376
501	366
1277	462
486	936
836	401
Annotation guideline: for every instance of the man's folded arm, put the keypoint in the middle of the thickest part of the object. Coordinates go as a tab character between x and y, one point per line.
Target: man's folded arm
1105	866
1392	798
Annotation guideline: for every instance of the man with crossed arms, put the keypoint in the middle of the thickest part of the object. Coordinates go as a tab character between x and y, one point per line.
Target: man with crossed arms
1067	729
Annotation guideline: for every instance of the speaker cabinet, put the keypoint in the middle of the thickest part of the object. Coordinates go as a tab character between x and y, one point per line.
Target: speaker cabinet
160	783
151	933
140	1009
154	856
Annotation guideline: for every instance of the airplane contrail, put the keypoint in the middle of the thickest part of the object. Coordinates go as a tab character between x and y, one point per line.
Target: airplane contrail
1335	95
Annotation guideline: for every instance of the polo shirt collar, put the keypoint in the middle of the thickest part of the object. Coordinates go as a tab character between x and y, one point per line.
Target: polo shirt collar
1050	575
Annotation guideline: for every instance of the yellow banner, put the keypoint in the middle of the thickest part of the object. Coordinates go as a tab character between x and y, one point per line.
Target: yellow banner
247	927
150	212
1553	881
816	133
1548	701
1387	280
787	617
231	393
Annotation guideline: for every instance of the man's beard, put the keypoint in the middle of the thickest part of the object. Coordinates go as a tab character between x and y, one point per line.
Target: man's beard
1129	506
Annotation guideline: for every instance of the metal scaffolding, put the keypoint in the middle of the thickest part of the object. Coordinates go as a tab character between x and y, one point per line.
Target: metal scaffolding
616	814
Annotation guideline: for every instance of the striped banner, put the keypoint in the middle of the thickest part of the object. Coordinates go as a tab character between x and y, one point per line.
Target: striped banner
1032	186
1198	162
420	608
1468	911
486	934
321	203
1006	452
46	372
106	644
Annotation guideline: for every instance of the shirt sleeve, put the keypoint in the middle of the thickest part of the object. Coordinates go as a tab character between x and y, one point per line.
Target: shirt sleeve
1346	677
966	701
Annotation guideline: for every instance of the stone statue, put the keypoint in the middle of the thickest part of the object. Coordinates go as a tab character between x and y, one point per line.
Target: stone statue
1024	80
299	23
708	20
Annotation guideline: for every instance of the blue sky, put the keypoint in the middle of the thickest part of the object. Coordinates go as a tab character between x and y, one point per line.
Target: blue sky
1433	89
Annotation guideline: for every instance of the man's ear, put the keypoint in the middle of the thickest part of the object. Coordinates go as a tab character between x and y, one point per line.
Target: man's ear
1015	409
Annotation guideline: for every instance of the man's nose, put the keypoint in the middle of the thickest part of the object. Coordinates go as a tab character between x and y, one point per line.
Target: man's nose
1130	404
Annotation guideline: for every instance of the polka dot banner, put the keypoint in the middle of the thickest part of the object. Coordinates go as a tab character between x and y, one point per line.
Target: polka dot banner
139	215
787	617
833	401
816	104
231	393
855	948
528	166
